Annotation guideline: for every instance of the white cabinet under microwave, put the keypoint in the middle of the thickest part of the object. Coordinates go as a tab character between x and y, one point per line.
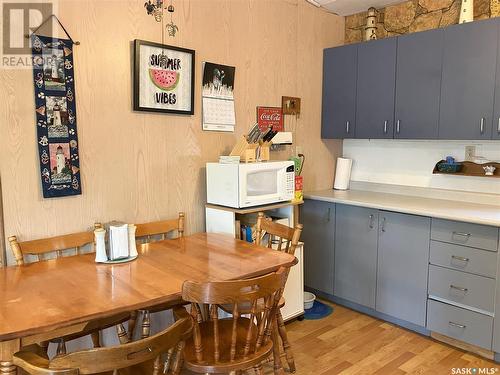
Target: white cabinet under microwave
252	184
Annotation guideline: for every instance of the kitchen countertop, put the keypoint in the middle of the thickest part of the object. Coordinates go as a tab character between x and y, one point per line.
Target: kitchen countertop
439	208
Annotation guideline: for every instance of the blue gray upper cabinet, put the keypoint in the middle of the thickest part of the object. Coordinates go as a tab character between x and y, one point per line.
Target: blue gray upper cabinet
496	112
467	88
418	85
375	88
339	92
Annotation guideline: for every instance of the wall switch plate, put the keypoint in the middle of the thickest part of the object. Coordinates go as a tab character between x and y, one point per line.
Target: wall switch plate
298	150
470	153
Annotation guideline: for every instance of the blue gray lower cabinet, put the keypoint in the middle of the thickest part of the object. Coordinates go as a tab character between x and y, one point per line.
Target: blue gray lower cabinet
356	254
377	262
496	321
403	262
318	234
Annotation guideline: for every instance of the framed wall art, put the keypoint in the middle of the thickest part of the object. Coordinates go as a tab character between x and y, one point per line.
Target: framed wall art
163	78
55	109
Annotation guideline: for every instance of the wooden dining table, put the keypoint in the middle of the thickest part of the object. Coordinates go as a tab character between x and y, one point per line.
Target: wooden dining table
49	299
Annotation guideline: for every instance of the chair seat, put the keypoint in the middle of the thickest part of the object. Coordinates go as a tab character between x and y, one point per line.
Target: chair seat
224	364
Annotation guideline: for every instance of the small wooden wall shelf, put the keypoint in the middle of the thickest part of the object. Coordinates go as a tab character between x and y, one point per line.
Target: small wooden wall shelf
470	169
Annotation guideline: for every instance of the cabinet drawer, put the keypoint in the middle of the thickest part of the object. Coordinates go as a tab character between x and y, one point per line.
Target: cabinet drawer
463	258
460	287
473	235
460	324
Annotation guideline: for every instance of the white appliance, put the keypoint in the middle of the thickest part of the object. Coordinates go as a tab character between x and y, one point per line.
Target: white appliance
251	184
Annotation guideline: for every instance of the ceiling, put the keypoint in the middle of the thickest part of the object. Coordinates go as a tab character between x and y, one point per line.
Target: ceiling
348	7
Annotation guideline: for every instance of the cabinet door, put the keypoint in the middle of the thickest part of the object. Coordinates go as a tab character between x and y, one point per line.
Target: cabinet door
356	254
496	323
469	65
339	92
403	262
496	112
375	89
418	85
318	219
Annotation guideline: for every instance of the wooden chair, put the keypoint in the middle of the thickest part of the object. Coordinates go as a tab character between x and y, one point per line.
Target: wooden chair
116	358
281	238
162	228
237	343
53	245
40	250
145	232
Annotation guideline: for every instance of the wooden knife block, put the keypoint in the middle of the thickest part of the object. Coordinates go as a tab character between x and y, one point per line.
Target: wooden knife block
246	151
264	153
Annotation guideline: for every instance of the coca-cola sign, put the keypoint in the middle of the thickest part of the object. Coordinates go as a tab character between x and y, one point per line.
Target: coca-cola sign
270	117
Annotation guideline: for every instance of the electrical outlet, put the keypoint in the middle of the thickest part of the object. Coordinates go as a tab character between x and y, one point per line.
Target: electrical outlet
470	153
298	150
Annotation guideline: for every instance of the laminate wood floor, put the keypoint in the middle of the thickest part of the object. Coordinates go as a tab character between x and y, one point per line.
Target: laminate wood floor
347	342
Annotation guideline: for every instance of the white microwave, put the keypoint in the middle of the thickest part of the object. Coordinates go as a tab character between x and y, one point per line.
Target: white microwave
252	184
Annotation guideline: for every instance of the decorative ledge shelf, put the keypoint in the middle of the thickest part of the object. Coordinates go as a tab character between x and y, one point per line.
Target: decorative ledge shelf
470	169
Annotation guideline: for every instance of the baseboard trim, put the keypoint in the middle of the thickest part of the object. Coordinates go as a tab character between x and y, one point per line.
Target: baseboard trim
464	346
371	312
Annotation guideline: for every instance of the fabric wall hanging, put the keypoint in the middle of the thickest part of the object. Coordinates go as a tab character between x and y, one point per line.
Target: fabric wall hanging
56	116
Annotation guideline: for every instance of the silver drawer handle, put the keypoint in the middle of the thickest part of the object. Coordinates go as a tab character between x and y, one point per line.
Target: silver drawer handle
371	221
385	127
481	126
465	290
461	234
463	259
453	324
347	127
383	224
397	126
498	127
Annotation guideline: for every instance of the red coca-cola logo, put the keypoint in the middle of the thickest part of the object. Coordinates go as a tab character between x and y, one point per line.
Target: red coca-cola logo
270	117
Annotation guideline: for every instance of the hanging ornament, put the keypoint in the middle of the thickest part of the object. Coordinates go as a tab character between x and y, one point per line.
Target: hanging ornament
171	26
155	10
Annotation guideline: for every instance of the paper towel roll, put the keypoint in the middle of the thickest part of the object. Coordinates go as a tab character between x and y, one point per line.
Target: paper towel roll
343	174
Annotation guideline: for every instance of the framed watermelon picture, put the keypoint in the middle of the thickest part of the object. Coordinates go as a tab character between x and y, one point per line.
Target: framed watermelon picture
163	78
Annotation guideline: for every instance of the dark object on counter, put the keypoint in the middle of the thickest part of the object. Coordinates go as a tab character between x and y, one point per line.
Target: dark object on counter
449	167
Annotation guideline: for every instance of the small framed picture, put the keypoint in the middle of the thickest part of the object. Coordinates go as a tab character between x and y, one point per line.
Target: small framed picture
163	78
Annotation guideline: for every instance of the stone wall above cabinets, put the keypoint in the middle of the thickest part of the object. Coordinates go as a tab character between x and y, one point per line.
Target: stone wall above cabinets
416	15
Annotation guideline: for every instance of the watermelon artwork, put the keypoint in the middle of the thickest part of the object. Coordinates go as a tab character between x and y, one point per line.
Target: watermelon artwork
165	80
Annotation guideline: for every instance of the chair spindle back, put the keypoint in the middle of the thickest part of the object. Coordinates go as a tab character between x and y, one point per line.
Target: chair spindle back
94	361
41	248
162	228
237	338
285	238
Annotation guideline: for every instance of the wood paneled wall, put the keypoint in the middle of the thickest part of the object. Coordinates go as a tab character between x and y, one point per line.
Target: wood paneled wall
139	166
2	234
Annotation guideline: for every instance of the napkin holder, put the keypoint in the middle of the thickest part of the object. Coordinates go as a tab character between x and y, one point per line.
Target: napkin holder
115	243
